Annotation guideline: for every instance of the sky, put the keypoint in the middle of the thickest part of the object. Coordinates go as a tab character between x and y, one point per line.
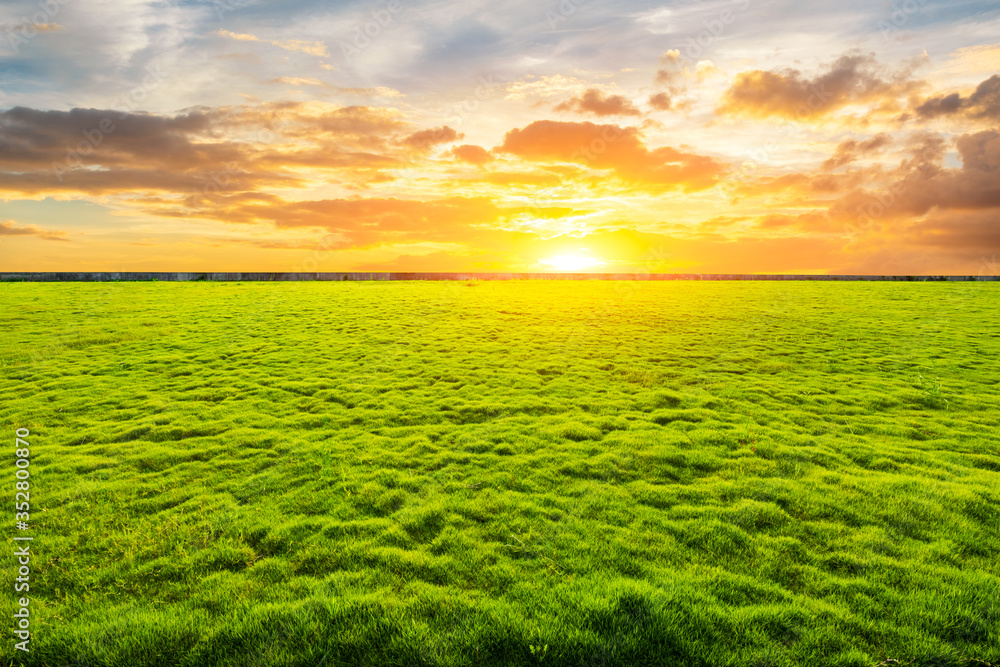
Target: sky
727	136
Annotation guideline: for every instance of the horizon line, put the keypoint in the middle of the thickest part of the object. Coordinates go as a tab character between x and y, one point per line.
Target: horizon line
369	276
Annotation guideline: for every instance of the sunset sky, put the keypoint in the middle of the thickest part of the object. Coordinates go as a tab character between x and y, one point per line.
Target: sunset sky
686	137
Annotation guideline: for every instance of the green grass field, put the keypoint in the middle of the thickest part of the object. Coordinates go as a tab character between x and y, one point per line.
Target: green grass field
551	473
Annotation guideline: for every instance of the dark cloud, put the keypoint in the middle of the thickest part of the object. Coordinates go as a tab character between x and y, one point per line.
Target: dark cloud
922	185
971	232
788	93
929	213
850	150
242	148
939	106
30	138
983	103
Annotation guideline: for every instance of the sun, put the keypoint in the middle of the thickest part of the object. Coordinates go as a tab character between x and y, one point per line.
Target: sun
572	262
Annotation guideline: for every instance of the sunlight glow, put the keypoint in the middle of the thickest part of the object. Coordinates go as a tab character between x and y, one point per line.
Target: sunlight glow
571	262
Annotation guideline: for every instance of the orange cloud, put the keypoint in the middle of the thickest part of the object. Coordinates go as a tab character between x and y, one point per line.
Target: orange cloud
810	223
361	222
364	223
427	139
28	27
425	219
595	102
10	228
311	48
616	148
660	101
471	154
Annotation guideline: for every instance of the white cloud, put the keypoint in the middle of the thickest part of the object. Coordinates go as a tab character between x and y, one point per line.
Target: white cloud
661	21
